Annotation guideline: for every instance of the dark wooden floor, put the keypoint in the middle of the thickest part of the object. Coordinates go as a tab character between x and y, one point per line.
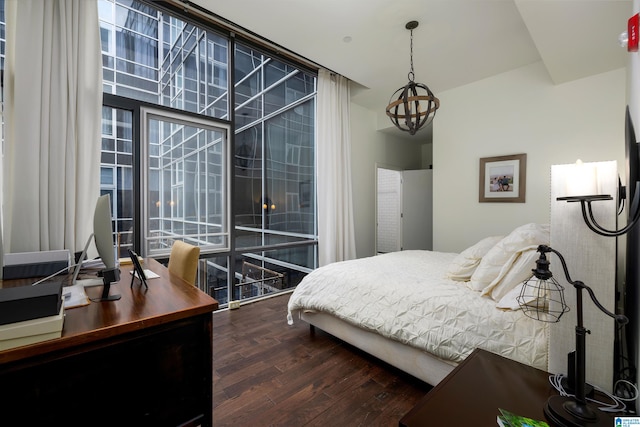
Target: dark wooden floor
269	373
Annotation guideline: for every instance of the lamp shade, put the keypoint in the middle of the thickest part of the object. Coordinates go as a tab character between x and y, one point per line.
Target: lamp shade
582	179
542	299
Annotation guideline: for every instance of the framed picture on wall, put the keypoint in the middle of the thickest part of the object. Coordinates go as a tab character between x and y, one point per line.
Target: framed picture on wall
503	179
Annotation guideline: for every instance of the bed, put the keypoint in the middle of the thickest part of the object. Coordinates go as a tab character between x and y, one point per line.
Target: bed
424	311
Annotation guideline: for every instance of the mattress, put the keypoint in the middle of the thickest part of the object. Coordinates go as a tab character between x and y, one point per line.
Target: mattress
404	296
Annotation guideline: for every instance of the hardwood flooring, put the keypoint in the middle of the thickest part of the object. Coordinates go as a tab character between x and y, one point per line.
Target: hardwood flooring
269	373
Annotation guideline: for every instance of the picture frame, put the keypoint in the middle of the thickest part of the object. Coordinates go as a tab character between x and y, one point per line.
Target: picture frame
503	179
138	271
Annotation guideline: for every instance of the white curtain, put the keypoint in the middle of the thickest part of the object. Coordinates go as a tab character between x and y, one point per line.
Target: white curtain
336	236
53	102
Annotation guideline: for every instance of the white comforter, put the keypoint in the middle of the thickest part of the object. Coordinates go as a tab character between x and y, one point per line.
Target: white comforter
405	296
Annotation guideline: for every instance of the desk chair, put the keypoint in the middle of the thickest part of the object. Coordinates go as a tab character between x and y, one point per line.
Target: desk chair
183	261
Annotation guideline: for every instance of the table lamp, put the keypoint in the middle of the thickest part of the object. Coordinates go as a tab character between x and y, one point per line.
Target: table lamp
542	298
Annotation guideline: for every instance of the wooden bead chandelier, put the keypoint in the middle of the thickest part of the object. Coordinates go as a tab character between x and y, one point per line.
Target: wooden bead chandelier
413	106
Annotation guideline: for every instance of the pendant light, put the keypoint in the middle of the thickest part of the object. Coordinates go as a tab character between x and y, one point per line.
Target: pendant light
414	105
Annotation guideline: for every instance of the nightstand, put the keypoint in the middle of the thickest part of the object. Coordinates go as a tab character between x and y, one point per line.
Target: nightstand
475	390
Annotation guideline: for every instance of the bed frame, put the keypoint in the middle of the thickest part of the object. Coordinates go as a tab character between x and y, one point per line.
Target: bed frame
411	360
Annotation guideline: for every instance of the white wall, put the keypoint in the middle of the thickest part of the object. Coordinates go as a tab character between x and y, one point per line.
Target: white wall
368	148
520	111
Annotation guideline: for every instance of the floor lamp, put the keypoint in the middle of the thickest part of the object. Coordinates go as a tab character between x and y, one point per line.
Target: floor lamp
542	298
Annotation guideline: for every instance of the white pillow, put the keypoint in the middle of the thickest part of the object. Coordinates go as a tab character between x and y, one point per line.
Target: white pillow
517	272
510	300
463	265
504	253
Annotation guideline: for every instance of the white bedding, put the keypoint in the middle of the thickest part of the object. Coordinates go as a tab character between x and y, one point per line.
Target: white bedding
405	296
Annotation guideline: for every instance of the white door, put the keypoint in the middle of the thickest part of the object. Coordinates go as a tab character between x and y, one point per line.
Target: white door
388	210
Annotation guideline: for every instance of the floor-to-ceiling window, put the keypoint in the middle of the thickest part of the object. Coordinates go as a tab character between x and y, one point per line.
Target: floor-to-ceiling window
180	161
257	239
274	194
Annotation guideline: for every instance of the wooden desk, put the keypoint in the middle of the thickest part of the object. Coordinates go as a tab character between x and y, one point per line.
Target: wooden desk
145	359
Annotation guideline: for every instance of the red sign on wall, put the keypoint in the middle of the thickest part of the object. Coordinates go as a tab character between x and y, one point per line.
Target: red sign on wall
632	32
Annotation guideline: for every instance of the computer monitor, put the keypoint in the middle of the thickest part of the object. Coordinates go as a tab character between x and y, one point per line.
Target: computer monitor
78	266
103	237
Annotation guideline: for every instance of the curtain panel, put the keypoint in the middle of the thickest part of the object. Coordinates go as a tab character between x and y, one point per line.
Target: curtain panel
53	104
336	236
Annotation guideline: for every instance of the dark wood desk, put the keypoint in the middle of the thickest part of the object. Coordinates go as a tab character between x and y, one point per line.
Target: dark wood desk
145	359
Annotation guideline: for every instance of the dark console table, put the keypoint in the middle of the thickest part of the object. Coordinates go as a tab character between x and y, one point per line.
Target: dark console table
473	393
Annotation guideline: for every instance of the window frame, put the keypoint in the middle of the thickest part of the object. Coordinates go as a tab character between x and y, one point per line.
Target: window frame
148	113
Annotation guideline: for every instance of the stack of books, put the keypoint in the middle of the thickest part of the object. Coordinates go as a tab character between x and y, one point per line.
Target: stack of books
31	331
30	314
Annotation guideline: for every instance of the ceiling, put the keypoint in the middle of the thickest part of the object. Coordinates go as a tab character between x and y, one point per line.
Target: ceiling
456	43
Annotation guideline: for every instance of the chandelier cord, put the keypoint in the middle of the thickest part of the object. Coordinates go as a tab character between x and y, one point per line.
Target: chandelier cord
411	75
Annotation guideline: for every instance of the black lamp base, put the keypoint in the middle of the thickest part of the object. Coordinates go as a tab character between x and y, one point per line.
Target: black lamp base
564	411
570	389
